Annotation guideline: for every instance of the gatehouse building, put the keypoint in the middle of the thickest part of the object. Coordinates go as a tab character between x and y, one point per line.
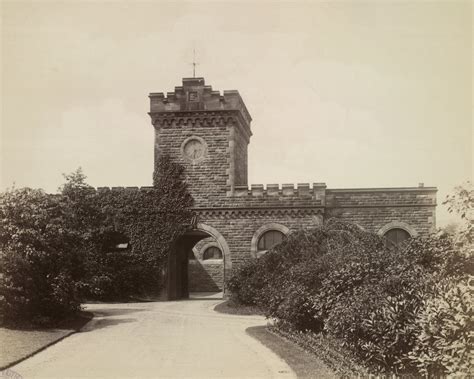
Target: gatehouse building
208	132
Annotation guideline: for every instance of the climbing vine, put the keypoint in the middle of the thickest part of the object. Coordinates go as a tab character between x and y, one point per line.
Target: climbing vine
57	250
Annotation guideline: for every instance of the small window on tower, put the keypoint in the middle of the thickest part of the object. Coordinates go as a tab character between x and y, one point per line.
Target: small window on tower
193	96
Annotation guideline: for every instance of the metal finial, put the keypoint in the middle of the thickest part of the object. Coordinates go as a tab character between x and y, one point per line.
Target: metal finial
194	63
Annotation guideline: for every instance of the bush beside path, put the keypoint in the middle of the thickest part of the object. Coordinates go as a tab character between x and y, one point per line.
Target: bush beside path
401	310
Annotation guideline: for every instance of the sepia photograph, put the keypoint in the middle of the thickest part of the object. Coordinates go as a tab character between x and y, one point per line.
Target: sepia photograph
236	189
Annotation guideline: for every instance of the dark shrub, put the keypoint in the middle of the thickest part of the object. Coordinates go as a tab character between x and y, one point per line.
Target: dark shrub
39	261
56	249
244	285
341	280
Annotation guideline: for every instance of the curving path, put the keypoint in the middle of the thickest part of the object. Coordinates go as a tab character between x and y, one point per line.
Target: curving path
179	339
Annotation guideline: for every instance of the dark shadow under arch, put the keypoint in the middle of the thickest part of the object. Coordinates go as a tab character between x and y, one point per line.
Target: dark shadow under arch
176	275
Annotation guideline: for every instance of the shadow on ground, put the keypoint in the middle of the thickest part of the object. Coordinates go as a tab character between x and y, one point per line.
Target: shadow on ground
97	324
108	312
205	296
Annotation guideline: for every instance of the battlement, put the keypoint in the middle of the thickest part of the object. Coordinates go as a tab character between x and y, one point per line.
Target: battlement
302	190
194	95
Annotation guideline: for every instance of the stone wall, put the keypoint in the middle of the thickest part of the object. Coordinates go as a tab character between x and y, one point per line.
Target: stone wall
208	179
240	158
234	214
413	209
241	219
205	276
240	227
220	122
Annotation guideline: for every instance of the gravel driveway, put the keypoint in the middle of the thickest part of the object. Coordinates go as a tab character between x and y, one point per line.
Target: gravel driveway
178	339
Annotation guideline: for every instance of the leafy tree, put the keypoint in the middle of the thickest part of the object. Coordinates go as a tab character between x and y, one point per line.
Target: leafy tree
461	202
56	249
38	261
444	330
450	228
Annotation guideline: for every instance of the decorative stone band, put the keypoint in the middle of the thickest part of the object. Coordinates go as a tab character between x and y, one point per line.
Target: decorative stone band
203	118
228	213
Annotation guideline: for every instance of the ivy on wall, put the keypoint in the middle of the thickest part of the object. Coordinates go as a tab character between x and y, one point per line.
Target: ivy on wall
149	220
57	250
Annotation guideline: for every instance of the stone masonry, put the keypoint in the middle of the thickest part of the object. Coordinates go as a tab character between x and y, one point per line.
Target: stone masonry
209	132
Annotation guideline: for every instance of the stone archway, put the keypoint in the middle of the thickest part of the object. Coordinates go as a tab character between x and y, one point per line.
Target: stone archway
220	240
177	286
397	225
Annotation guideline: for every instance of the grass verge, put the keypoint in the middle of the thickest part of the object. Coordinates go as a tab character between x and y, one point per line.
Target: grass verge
231	308
303	363
20	344
327	349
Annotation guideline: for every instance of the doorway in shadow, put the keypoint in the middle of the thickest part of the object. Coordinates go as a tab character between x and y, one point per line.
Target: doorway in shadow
193	271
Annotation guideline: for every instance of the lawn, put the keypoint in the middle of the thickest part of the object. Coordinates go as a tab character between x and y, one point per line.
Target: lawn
229	307
303	363
19	344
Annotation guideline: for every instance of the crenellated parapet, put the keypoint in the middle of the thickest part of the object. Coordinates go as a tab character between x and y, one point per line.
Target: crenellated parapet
315	191
274	195
189	101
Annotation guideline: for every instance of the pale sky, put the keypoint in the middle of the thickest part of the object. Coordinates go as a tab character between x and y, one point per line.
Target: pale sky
353	94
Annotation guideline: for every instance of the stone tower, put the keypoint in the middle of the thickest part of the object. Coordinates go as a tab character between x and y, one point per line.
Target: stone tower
206	131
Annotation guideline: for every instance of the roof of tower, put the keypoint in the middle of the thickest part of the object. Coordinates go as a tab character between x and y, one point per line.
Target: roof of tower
195	95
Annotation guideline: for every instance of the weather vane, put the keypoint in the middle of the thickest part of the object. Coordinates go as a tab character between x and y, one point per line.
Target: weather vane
194	63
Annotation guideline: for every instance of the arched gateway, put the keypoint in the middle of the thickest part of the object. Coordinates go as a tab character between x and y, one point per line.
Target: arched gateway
209	132
183	267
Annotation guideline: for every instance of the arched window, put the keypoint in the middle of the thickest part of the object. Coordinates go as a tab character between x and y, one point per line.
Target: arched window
396	236
269	239
212	252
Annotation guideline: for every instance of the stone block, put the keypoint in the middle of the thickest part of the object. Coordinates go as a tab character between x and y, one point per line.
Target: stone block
288	189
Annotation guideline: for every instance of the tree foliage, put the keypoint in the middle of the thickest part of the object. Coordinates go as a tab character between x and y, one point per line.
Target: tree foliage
57	249
40	265
461	202
387	305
